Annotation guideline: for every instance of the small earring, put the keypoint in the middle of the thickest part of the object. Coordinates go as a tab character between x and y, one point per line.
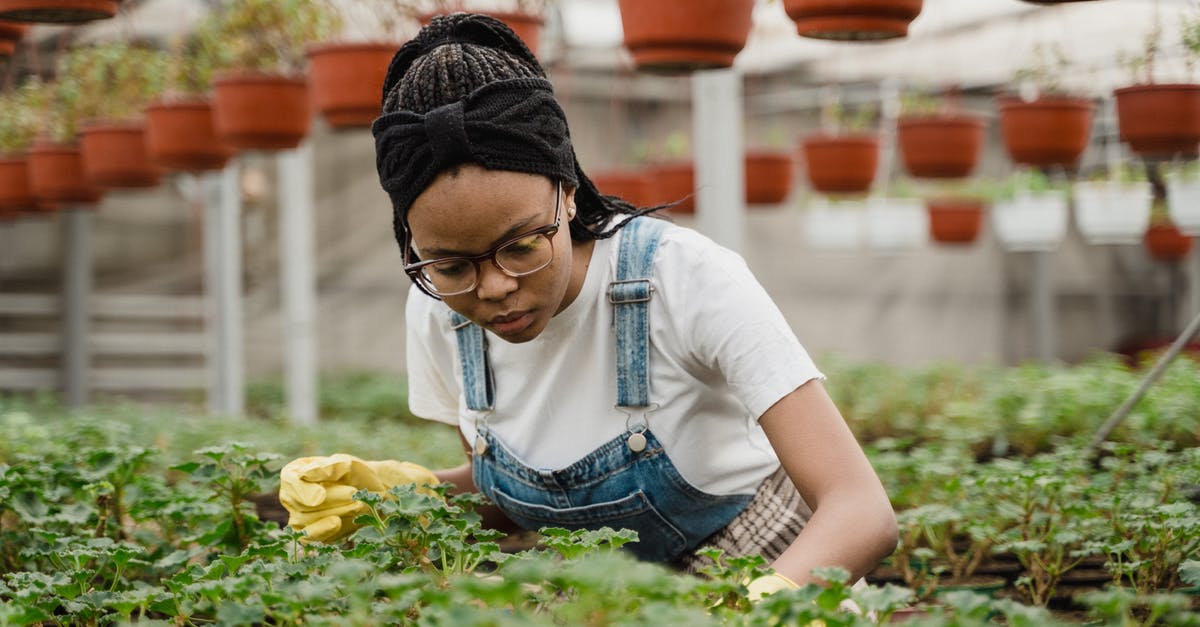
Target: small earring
570	213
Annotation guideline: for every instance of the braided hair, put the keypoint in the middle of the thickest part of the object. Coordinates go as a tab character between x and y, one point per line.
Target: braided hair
454	56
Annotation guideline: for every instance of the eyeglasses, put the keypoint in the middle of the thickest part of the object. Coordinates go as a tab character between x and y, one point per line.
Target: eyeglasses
520	256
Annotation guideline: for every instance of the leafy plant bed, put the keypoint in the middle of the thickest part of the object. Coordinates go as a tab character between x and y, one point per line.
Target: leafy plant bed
123	513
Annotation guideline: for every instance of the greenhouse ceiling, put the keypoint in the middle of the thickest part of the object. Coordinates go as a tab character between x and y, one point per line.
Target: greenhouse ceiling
966	43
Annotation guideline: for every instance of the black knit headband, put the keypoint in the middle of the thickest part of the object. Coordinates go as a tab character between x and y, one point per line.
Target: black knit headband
514	124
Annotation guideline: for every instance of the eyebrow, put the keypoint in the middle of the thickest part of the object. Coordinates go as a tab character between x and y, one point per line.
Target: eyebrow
513	231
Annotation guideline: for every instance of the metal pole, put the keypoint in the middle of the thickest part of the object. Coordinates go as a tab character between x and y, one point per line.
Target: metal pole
1163	361
1042	307
203	191
719	156
223	273
298	282
76	303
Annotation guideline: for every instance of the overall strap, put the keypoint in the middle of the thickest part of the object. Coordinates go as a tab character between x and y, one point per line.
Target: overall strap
476	370
630	295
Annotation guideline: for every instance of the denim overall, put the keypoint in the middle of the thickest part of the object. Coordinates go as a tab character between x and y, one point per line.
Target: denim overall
627	483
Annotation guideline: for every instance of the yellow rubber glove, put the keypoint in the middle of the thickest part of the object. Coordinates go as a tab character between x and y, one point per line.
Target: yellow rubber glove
318	492
764	585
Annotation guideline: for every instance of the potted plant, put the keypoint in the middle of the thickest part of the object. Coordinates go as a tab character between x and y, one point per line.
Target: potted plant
936	139
55	158
631	182
261	99
1042	125
57	11
1161	120
1030	212
956	210
1164	241
673	175
834	223
524	17
346	73
844	159
852	19
896	220
1115	209
180	130
10	35
116	81
1183	197
18	126
768	167
667	35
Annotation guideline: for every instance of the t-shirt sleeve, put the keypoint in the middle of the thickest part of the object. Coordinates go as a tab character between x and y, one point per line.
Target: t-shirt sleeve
730	325
432	392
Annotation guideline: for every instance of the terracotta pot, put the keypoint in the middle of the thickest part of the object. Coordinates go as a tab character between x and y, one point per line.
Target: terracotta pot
635	187
668	35
254	111
527	27
1050	131
56	175
852	19
1160	120
768	176
180	136
15	194
671	182
841	163
940	146
115	156
57	11
12	31
346	80
1166	243
8	47
955	220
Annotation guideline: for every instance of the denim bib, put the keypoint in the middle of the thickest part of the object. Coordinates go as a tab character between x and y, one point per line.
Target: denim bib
628	482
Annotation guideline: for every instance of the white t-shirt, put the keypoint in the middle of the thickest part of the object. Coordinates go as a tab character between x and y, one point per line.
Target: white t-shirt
721	354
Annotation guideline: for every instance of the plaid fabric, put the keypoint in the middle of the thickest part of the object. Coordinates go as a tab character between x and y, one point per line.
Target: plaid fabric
766	527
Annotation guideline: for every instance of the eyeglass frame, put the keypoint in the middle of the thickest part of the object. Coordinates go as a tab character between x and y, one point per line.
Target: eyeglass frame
413	270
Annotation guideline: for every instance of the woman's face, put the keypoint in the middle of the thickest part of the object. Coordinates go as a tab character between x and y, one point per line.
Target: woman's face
469	210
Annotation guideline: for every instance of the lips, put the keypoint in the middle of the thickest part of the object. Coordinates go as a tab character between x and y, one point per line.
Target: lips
511	323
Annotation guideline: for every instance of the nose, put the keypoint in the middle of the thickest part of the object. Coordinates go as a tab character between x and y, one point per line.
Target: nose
493	283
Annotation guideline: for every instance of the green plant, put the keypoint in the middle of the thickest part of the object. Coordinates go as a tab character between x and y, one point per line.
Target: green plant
1029	181
191	62
1042	76
116	80
270	35
23	108
840	118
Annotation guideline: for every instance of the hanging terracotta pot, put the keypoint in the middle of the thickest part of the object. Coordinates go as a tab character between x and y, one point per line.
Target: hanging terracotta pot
180	136
255	111
15	194
115	156
634	187
57	11
955	220
768	176
940	146
673	36
526	26
852	19
1160	120
1166	243
841	163
674	182
10	35
56	175
346	80
1047	132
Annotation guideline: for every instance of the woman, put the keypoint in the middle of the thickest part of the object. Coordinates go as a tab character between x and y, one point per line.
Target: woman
604	368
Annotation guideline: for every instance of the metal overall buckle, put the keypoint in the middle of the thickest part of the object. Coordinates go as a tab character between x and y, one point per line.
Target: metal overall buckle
637	434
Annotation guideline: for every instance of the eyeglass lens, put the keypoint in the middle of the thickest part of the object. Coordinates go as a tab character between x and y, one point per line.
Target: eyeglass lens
516	258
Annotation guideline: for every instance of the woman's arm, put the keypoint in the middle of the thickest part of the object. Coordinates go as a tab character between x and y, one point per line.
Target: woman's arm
461	478
853	525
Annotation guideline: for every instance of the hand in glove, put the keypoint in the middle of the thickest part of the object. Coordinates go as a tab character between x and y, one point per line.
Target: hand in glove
318	492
